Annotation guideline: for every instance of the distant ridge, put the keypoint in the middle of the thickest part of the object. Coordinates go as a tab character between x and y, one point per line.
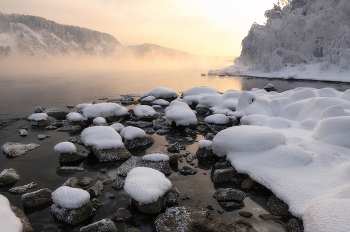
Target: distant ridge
37	36
148	50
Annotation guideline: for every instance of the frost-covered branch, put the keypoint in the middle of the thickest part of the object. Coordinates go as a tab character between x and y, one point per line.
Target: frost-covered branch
293	53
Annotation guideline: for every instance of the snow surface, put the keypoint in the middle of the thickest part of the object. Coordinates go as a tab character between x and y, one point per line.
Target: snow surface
65	147
117	126
70	198
101	137
104	110
144	111
38	117
160	102
205	144
161	92
199	90
296	143
74	117
157	157
99	121
149	98
9	222
219	119
146	185
180	113
131	132
82	106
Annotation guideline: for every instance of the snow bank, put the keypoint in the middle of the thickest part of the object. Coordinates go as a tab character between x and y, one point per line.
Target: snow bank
104	110
38	117
161	92
65	147
131	132
99	121
156	157
205	144
146	185
9	222
74	117
101	137
144	111
180	113
71	198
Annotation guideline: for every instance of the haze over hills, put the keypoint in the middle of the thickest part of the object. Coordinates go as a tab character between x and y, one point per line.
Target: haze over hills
37	36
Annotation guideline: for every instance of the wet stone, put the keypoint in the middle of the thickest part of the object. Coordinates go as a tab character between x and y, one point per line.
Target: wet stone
172	197
139	142
13	150
131	229
116	154
85	182
186	170
42	137
24	220
295	225
174	148
8	176
140	124
56	113
239	225
72	217
278	207
22	189
71	182
38	199
162	166
222	175
23	132
118	183
72	157
248	184
122	215
96	189
231	205
69	128
269	217
39	109
107	182
245	214
229	194
75	139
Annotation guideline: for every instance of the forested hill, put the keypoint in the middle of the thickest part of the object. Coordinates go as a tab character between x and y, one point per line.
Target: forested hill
37	36
300	31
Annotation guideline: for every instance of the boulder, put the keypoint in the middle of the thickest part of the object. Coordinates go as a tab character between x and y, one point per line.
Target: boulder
204	153
85	182
174	148
72	157
238	224
248	184
8	176
13	150
187	170
139	142
22	189
118	183
104	225
114	154
24	220
295	225
56	113
278	207
73	216
187	218
122	215
229	194
150	208
37	200
245	214
71	182
222	175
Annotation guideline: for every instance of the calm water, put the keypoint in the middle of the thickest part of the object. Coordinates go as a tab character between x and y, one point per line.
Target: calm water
19	96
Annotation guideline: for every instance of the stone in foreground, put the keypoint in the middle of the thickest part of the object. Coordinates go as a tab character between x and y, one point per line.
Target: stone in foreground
37	200
104	225
8	176
13	150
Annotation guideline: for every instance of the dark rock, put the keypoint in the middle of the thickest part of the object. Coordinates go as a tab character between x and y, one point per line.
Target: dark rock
107	182
223	163
42	137
245	214
278	207
203	153
71	182
187	218
118	183
8	176
140	124
51	127
14	150
39	109
222	175
22	189
162	166
45	122
151	208
104	225
229	194
187	170
69	128
111	196
174	148
130	229
210	207
56	113
248	184
76	139
96	189
23	132
85	182
239	225
122	215
103	170
139	142
72	217
220	211
116	154
231	205
172	197
24	220
38	199
173	158
295	225
269	217
72	157
209	136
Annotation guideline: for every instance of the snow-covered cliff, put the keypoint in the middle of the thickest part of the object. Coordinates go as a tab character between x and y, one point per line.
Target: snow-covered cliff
36	36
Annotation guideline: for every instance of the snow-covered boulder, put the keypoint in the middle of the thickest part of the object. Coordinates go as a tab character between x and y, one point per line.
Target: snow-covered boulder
56	113
69	153
104	225
145	113
8	220
71	205
106	143
37	200
180	114
160	102
82	106
74	117
99	121
117	126
204	149
147	188
135	137
199	90
40	119
157	157
162	92
110	111
22	189
13	150
8	176
217	122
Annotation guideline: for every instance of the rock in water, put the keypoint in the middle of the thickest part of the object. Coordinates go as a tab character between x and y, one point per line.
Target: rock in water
8	176
22	189
187	219
13	150
38	199
104	225
23	132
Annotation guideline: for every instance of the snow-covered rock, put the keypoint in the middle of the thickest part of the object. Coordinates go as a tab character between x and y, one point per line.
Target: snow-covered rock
40	119
145	113
74	117
117	126
8	176
13	150
199	90
104	225
101	137
157	157
180	114
9	222
100	121
65	147
135	137
161	92
39	199
109	111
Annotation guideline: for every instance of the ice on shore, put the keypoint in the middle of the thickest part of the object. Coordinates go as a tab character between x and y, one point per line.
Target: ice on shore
146	185
9	222
101	137
65	147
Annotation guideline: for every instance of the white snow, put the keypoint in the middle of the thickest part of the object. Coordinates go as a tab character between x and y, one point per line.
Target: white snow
9	222
131	132
219	119
149	98
101	137
205	144
82	106
199	90
180	113
161	92
157	157
38	117
117	126
146	185
160	102
104	110
65	147
144	111
70	198
74	117
99	121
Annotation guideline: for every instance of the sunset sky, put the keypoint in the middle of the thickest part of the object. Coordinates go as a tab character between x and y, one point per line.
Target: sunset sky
196	26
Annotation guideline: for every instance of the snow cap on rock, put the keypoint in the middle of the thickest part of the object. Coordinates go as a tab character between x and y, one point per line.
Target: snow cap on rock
38	117
101	137
131	132
70	198
161	92
157	157
65	147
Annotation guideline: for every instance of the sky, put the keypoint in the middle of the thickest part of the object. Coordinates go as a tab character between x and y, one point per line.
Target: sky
197	26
